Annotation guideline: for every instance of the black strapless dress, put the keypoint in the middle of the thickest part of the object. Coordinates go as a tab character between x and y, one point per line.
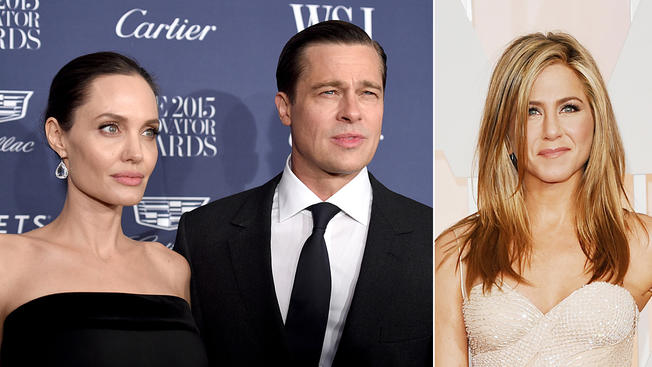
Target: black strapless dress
102	330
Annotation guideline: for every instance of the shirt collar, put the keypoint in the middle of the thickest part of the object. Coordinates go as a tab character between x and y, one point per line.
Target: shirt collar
354	198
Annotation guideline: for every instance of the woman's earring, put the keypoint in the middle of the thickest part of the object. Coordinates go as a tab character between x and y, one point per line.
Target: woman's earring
62	171
512	157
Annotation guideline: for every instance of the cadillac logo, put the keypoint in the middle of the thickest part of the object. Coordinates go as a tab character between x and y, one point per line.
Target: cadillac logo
164	212
13	104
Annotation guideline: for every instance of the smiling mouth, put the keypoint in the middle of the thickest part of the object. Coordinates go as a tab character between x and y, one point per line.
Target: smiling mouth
129	179
553	153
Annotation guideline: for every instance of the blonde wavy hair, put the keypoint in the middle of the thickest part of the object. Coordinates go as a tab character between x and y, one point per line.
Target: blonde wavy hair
496	241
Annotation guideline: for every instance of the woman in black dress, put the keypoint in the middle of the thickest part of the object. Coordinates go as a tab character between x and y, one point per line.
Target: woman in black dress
78	292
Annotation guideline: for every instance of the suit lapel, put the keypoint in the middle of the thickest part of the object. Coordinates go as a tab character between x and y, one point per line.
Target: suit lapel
251	260
381	255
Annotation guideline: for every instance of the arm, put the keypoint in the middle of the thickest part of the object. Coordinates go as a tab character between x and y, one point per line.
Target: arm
182	247
12	263
7	259
185	275
450	333
638	279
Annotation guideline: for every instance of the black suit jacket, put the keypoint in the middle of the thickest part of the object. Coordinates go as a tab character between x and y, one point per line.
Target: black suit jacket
389	323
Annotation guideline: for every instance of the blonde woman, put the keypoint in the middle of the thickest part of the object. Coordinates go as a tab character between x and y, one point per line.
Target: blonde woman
553	268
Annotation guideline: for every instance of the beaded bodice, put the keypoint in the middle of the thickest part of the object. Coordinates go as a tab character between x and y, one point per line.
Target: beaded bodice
593	326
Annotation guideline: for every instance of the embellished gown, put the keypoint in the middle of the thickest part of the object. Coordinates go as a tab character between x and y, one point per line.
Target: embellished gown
102	330
594	326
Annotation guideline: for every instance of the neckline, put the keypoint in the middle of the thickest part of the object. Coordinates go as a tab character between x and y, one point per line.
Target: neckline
93	294
563	300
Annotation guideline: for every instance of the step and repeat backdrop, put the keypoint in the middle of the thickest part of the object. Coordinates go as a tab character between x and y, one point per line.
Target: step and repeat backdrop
215	62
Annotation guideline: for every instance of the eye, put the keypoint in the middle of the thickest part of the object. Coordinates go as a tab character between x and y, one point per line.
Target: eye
110	128
329	92
151	132
533	111
369	93
569	108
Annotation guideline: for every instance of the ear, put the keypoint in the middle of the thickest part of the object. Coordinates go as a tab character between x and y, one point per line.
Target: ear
55	136
283	105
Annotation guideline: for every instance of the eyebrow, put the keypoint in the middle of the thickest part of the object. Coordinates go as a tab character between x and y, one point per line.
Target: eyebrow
370	84
111	116
339	84
559	101
117	117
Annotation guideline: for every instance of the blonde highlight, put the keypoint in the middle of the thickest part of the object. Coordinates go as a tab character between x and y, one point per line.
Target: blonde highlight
496	240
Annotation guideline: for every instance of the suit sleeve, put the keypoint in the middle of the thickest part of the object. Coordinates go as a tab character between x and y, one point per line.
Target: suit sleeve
183	246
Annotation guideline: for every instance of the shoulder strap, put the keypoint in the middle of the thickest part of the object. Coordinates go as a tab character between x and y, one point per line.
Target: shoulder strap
462	285
461	266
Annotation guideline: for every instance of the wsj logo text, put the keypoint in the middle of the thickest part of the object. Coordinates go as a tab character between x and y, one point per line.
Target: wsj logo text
19	25
320	13
131	24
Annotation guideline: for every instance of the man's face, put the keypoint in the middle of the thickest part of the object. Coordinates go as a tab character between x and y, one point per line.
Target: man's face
337	112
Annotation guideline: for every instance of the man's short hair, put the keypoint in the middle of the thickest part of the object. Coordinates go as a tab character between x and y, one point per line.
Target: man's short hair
290	67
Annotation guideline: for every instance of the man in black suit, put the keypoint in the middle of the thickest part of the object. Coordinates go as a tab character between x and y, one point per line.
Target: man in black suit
280	281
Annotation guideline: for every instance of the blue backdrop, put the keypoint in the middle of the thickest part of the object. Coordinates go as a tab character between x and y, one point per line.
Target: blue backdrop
215	62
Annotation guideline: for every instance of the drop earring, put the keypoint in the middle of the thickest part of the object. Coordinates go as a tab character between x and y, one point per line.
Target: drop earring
512	157
61	171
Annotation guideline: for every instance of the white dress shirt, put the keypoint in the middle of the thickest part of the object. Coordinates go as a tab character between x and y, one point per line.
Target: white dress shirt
345	238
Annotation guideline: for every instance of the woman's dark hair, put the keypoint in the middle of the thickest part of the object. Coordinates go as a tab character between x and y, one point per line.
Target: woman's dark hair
290	63
69	87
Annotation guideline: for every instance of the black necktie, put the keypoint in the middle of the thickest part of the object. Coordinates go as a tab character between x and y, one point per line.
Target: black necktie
307	317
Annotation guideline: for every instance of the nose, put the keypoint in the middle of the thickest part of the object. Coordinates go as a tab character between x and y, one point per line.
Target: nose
349	108
551	127
132	149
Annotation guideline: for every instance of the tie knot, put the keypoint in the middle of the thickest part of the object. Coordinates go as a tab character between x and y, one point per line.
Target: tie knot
322	213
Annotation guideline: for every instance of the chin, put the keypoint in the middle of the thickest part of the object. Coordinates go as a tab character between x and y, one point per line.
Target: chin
555	178
555	174
349	164
346	169
129	200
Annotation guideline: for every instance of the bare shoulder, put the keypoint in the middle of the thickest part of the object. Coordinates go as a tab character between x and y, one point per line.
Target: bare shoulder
10	241
639	238
640	227
9	247
7	241
168	268
15	246
638	279
166	259
17	258
449	322
448	246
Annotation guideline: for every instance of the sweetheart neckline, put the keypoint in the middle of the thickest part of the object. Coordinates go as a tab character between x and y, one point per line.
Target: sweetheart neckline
563	300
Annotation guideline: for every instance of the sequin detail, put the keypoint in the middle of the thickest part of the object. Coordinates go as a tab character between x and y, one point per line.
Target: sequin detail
593	326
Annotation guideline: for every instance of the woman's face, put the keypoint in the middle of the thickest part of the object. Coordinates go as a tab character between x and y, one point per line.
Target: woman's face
111	147
559	127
